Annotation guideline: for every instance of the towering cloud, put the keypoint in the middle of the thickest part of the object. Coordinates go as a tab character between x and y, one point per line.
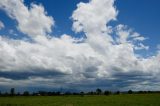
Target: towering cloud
69	61
92	17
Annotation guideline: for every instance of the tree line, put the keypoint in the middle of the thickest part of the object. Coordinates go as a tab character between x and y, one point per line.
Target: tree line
56	93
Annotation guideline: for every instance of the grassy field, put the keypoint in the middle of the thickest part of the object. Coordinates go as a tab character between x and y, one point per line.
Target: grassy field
112	100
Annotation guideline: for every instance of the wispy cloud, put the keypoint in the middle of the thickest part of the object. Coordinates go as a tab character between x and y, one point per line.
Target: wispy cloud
1	25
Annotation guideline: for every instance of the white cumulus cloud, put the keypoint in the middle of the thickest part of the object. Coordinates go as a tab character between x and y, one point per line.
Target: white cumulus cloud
68	60
32	21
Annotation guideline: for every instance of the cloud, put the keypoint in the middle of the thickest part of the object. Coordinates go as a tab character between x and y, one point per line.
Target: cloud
31	21
68	61
141	46
1	25
93	16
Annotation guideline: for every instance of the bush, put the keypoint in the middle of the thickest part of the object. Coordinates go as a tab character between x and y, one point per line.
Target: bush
130	92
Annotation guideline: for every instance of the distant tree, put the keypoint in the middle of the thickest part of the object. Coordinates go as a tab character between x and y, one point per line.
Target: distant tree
42	93
49	93
68	93
75	93
58	93
6	94
82	93
25	93
140	92
12	92
130	92
118	92
53	93
18	94
91	93
98	91
107	92
0	93
34	94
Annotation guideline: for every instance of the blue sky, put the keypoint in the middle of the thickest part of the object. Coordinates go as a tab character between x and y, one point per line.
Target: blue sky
36	46
141	15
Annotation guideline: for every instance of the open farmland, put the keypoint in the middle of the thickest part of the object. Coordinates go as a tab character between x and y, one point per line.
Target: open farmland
111	100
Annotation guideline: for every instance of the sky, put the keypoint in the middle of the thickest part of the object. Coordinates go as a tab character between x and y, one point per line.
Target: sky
79	45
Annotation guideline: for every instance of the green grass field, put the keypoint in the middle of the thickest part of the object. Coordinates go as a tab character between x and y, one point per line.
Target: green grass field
112	100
